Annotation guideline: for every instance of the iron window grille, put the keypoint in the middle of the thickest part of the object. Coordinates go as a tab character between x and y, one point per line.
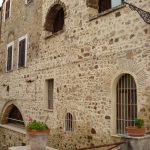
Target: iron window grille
126	103
69	123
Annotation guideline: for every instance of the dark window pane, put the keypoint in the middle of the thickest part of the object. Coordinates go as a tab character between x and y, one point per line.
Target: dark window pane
50	93
21	61
15	116
104	5
7	12
9	58
59	20
55	19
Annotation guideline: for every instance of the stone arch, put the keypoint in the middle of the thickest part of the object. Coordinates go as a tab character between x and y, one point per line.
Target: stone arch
7	109
55	17
69	110
126	66
10	37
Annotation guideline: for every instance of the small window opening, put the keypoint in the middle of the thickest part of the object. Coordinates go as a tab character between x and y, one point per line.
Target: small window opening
55	19
15	117
69	122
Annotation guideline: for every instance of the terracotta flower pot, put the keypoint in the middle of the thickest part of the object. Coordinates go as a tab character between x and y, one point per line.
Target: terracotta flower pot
38	139
135	131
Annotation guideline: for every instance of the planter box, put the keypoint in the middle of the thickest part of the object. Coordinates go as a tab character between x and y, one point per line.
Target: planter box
134	131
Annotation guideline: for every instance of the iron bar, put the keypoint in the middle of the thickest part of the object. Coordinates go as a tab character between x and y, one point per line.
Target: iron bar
100	146
15	120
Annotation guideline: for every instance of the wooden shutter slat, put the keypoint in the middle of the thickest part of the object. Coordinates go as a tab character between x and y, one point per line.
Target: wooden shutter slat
92	3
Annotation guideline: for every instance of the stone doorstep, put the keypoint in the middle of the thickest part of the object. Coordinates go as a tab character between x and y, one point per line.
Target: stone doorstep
27	148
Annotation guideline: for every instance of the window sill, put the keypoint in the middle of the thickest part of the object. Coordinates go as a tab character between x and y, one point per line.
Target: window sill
131	137
107	12
68	132
13	128
6	19
19	68
9	71
50	34
49	110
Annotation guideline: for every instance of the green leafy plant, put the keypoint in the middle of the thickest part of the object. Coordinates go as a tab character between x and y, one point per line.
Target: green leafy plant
37	125
139	123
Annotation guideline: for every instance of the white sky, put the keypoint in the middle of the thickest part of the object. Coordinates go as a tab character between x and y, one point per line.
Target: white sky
1	2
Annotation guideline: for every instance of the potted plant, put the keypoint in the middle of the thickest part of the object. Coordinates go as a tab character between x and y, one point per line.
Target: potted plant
138	129
38	135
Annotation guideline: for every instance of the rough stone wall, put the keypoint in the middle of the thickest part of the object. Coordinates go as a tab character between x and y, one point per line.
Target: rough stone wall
9	138
85	60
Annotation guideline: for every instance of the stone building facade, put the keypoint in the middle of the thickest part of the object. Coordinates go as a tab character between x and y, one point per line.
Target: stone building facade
85	57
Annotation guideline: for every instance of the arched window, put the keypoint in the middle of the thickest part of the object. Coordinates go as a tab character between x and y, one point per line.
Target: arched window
69	122
126	103
13	116
55	19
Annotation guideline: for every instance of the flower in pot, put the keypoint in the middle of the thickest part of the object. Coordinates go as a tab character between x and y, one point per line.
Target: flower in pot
38	135
138	129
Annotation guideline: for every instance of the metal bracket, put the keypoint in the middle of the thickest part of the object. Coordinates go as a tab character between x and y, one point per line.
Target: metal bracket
144	14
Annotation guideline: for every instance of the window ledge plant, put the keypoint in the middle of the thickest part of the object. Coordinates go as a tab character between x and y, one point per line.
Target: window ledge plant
138	129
